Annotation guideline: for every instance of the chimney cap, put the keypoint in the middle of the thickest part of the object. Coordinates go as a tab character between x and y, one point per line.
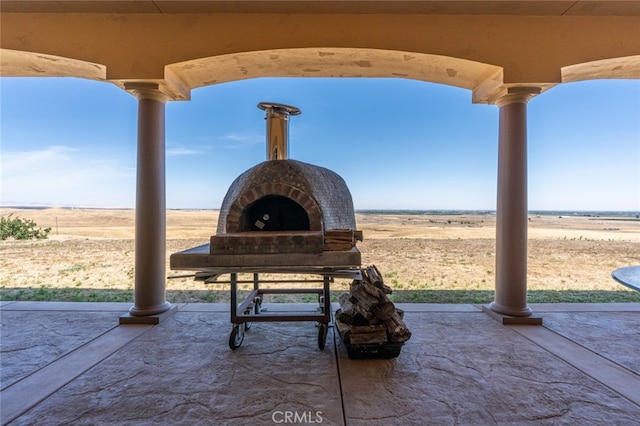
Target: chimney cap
281	108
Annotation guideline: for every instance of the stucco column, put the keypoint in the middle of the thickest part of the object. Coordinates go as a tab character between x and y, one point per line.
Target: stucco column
150	215
512	210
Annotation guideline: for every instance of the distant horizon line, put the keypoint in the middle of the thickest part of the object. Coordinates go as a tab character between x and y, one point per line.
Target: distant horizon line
363	211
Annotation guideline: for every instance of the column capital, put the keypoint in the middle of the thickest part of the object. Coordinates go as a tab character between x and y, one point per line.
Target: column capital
518	94
146	90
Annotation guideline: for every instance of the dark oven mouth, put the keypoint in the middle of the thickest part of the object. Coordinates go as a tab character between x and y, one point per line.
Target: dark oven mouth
276	214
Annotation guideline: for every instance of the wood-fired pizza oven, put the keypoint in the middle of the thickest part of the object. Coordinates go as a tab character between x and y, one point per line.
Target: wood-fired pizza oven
281	213
283	205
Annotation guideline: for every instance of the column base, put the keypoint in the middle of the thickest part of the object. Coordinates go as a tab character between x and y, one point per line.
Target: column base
509	319
157	309
509	310
154	316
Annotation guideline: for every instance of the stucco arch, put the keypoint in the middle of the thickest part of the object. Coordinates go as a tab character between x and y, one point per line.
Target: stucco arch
627	67
16	63
336	62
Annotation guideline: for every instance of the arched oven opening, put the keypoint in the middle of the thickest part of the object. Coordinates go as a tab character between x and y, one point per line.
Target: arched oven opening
275	213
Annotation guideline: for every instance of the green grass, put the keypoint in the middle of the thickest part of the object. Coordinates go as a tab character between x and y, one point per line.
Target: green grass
485	296
47	294
399	296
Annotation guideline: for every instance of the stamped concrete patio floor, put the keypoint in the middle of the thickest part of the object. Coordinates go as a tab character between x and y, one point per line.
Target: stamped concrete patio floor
71	363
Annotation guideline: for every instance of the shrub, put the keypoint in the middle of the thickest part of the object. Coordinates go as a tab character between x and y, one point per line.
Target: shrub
21	229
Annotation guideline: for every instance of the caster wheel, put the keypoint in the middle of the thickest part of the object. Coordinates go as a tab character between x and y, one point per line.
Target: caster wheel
322	335
236	337
247	325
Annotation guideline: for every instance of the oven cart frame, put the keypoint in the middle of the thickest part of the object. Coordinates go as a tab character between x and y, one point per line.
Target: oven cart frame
326	265
249	310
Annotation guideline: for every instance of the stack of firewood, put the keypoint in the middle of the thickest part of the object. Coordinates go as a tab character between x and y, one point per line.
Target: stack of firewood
367	316
341	239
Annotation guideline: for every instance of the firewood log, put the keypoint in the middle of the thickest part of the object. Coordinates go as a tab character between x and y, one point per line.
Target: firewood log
339	240
363	312
384	310
360	329
368	338
397	330
343	329
337	246
343	297
362	297
374	276
347	312
373	290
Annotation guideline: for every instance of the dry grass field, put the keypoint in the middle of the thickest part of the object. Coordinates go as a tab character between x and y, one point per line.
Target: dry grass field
89	256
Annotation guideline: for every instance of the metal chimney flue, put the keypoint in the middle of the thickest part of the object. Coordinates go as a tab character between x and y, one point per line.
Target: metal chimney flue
277	117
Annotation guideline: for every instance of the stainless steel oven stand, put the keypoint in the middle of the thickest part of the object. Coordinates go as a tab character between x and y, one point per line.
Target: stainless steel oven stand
249	310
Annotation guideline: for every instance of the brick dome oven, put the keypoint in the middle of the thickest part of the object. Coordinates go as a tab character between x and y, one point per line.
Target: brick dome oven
287	195
283	205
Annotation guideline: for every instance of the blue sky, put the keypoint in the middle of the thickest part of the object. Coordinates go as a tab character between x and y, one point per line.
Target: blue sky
399	144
